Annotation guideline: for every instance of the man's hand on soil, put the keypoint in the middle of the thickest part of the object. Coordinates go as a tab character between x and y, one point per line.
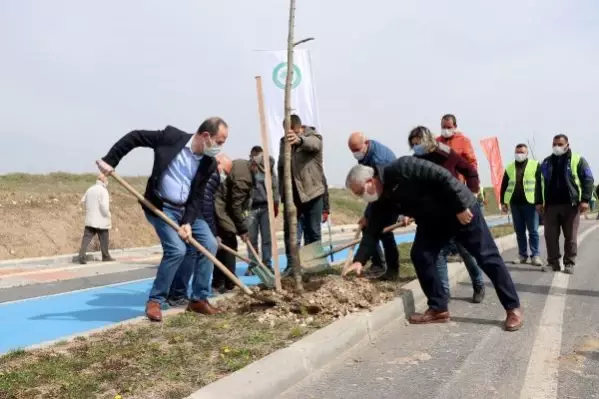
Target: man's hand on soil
354	267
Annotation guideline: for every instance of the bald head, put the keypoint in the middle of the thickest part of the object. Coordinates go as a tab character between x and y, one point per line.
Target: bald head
358	144
224	163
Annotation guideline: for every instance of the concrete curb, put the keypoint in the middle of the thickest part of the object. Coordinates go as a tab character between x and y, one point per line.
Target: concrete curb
277	372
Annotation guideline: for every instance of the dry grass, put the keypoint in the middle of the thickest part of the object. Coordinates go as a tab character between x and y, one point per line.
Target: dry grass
186	352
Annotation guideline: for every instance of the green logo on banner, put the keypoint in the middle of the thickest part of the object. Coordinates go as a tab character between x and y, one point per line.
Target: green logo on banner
279	75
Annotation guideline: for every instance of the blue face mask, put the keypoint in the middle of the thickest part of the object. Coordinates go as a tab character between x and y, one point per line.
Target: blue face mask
419	149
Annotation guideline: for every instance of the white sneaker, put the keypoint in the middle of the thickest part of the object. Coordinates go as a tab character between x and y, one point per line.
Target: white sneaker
521	260
536	261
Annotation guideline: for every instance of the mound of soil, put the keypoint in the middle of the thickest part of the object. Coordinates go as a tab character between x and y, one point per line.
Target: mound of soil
329	296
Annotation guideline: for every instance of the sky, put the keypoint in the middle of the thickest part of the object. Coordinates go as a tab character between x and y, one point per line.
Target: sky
75	76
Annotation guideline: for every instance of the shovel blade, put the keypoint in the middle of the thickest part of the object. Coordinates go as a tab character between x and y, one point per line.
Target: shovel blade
314	258
264	274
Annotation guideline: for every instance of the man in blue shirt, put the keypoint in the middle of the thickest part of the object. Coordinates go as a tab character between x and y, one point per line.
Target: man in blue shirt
374	154
183	165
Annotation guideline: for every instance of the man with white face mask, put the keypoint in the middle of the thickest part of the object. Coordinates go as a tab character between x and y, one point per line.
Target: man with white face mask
372	153
568	189
443	208
521	190
183	164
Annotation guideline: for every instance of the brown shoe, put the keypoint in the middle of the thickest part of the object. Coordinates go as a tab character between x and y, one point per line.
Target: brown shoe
203	307
153	311
430	316
513	320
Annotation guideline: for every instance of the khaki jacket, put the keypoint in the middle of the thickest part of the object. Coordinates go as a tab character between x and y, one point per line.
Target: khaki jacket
232	199
306	166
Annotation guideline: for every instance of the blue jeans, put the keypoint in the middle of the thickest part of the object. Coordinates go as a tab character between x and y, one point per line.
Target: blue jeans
308	224
525	217
180	260
476	274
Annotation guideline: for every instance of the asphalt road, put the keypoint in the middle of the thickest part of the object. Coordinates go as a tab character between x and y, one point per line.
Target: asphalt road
555	355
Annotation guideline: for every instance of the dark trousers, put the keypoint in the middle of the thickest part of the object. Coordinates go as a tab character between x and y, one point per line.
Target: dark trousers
311	218
476	238
391	257
88	235
567	219
218	278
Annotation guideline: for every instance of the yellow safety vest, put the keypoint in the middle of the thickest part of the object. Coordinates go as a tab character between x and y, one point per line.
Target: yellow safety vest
529	181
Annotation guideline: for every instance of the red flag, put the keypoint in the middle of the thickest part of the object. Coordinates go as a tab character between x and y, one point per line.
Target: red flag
491	148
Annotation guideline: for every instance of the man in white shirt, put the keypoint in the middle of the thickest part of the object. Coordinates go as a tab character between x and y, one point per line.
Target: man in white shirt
97	218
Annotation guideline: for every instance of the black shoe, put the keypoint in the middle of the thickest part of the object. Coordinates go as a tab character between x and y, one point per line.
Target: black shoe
389	275
479	294
109	259
177	302
82	260
556	268
569	269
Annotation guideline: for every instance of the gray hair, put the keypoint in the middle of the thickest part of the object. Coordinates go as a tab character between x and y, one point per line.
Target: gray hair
359	174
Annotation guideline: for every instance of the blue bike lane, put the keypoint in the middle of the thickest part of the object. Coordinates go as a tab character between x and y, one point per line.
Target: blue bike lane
47	318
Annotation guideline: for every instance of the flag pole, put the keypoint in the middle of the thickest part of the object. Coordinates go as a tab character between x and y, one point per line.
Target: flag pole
268	183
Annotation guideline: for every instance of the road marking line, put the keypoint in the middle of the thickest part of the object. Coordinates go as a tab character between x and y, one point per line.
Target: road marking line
541	379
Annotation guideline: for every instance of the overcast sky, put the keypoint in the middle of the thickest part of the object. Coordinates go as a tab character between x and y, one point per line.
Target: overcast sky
77	75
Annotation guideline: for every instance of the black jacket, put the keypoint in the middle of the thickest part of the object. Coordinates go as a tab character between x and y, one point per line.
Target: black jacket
419	189
166	144
584	174
208	211
326	208
233	197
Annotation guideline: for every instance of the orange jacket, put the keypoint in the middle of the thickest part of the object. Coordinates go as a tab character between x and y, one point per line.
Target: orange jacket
463	146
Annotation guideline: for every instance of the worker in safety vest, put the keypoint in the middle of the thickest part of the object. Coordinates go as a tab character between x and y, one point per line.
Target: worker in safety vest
521	190
567	191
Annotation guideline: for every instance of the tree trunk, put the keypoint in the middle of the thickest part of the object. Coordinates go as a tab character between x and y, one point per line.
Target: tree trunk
290	211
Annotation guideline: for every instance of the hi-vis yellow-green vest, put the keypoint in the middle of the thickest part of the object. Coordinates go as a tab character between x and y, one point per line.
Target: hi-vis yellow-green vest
529	181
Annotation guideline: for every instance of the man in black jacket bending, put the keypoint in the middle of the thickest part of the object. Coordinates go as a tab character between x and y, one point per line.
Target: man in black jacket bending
442	208
183	164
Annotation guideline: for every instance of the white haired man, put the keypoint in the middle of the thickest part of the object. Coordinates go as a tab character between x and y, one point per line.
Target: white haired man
443	208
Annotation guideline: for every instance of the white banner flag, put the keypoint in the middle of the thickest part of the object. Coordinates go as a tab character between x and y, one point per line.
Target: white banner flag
272	67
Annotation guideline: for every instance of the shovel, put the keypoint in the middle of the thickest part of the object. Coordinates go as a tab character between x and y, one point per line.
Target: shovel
314	258
193	242
258	268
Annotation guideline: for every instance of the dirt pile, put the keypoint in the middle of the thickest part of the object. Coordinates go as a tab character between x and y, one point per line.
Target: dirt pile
329	296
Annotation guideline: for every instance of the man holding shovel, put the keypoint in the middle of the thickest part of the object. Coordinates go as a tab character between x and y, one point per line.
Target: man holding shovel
232	203
374	154
443	208
183	164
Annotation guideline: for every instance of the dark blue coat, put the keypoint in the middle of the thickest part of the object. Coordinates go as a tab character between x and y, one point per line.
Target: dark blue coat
208	201
378	155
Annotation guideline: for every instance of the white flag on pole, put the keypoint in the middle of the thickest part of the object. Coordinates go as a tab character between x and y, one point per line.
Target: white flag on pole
272	66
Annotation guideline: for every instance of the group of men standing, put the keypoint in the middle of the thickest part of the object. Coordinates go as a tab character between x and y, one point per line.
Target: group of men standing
559	189
215	200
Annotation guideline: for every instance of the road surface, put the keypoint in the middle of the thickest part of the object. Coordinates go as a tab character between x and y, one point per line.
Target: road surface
555	355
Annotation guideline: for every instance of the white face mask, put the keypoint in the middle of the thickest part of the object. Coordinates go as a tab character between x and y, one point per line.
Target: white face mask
370	197
558	151
521	157
447	132
359	155
212	150
223	177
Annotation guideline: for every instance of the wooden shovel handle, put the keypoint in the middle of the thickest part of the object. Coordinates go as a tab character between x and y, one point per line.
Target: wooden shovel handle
357	240
235	253
175	226
255	253
350	255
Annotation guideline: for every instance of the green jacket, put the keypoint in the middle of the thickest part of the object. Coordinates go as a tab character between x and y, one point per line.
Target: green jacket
232	199
306	166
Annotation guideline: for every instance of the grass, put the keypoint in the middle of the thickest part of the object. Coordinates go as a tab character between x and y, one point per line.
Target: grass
169	361
186	352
